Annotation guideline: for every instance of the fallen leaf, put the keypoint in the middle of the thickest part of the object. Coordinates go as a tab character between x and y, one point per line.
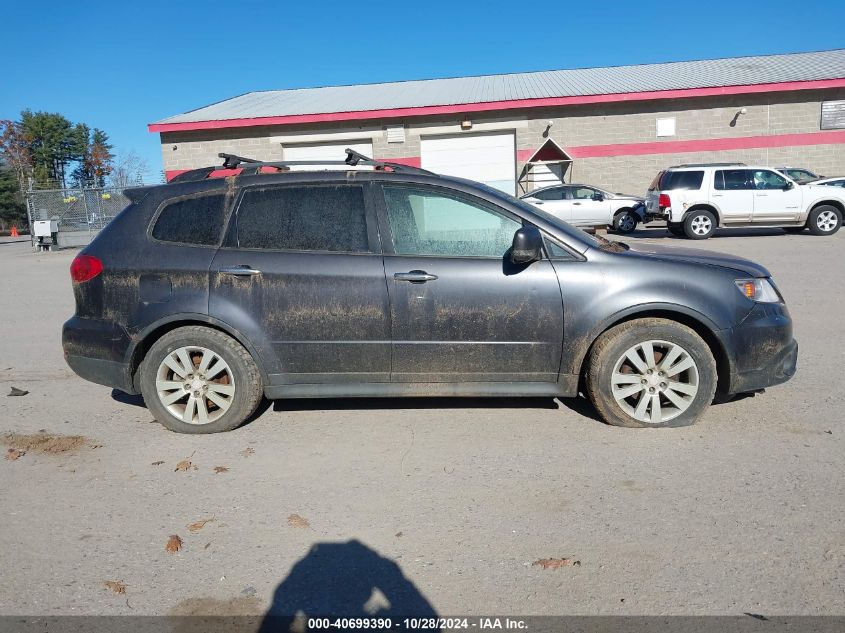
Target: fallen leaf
17	392
297	521
398	534
556	563
13	453
174	544
207	545
220	469
198	525
247	451
159	463
182	466
116	586
96	446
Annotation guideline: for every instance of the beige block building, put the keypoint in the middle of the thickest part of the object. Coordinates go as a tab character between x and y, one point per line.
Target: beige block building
610	127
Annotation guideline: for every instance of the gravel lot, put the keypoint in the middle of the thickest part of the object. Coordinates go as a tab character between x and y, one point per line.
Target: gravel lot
740	513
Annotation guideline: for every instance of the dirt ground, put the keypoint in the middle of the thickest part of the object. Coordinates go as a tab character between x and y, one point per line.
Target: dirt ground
448	506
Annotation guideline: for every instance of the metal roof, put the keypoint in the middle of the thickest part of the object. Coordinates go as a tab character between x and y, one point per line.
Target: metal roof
533	85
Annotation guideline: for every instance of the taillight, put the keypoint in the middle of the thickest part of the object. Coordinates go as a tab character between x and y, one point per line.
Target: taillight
663	201
85	267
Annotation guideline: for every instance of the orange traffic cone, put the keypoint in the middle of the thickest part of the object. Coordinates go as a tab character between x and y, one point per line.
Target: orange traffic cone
14	232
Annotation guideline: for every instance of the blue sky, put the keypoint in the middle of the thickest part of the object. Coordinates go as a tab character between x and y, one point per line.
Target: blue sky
121	65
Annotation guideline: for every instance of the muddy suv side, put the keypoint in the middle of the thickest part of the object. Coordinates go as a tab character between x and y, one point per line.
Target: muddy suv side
207	294
696	199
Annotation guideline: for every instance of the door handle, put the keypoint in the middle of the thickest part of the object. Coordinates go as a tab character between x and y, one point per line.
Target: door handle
576	203
240	271
415	276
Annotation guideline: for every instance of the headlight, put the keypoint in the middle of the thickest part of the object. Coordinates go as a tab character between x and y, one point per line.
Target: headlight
759	290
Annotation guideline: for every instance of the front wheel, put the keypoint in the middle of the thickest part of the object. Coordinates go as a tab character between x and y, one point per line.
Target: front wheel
824	220
699	225
625	221
651	373
198	380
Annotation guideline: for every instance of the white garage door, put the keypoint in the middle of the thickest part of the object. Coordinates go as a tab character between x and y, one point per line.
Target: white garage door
487	158
324	151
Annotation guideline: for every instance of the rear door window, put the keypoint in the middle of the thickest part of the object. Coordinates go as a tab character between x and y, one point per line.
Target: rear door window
556	193
733	180
308	218
195	220
675	180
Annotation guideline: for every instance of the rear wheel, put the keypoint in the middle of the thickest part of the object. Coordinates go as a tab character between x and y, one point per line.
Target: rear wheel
824	220
625	221
199	380
699	225
651	373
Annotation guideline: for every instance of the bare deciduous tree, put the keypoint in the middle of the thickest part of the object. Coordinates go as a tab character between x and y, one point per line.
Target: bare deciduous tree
128	170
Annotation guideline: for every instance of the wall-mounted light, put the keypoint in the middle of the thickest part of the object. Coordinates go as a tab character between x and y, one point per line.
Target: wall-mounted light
736	116
466	124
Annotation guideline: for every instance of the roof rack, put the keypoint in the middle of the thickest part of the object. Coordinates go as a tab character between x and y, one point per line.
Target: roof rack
251	166
708	165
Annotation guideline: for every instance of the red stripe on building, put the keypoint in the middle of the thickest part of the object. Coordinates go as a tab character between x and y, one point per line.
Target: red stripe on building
497	105
705	145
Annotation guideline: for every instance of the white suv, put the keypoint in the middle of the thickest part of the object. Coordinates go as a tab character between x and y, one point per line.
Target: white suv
695	199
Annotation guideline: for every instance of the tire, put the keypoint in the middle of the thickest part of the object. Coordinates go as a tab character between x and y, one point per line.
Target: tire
825	219
610	372
625	221
699	225
229	396
676	228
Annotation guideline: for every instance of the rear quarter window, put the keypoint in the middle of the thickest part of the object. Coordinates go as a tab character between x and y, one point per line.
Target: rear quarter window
197	220
675	180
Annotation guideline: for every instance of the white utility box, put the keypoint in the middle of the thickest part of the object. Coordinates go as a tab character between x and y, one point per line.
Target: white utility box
45	228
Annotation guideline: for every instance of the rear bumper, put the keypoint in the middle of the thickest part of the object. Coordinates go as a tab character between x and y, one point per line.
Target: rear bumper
96	350
764	353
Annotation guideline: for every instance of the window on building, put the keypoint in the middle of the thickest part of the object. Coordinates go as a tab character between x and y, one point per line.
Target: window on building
427	222
328	218
196	220
666	127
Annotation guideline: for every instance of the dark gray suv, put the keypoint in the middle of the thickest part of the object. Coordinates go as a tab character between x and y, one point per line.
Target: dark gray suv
208	293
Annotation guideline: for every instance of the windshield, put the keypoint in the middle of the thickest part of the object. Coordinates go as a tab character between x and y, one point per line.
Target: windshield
564	226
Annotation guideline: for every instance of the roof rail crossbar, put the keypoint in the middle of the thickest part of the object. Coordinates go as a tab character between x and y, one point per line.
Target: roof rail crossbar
252	166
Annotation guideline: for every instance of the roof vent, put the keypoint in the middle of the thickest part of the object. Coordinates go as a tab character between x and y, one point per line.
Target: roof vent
396	134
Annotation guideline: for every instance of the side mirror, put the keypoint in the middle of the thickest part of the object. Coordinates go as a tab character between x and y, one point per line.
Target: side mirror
598	197
788	186
527	245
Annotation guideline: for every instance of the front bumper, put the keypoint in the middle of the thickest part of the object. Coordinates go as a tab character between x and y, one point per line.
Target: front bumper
96	350
761	350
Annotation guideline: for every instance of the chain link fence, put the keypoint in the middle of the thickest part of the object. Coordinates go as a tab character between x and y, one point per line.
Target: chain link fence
80	213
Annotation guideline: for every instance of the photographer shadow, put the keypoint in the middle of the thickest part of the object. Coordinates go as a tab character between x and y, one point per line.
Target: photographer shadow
344	580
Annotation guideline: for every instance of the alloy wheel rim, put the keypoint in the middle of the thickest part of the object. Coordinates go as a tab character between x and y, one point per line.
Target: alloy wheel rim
195	385
626	223
827	220
701	225
655	381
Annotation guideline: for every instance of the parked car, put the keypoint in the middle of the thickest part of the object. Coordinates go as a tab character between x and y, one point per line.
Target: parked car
590	207
695	199
798	174
839	181
206	294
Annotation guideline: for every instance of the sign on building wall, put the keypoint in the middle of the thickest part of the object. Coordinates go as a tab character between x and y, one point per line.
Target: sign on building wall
833	115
